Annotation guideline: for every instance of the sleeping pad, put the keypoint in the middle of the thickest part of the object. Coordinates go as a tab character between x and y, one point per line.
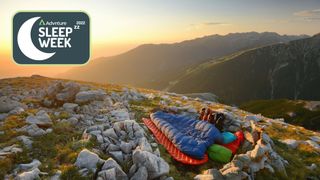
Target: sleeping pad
233	146
191	136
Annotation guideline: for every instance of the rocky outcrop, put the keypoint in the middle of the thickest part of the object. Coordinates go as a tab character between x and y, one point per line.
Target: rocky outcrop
112	170
257	151
26	141
132	94
140	174
7	104
109	124
60	92
292	143
28	171
41	118
88	160
29	175
70	107
10	150
120	114
32	165
155	165
87	96
34	130
124	140
68	92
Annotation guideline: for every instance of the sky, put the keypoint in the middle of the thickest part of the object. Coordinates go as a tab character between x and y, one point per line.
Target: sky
120	25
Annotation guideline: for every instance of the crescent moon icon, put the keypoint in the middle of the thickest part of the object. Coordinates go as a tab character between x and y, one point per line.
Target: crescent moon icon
25	42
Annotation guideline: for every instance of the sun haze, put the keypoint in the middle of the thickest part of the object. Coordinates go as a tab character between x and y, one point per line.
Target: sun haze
117	26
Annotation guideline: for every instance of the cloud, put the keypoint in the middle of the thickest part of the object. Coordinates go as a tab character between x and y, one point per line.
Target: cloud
214	23
309	15
197	26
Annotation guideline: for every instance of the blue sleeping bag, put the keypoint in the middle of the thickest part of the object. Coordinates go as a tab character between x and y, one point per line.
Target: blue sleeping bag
189	135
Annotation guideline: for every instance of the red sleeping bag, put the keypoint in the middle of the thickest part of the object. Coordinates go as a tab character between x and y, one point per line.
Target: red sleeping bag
233	146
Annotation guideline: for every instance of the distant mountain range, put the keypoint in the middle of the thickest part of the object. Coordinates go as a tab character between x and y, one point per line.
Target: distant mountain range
159	65
297	112
285	70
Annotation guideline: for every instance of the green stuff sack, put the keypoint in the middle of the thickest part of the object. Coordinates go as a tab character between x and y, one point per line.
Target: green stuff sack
219	153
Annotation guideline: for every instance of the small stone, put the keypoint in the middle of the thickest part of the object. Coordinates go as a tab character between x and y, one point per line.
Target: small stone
155	165
154	145
99	139
26	141
312	167
291	114
56	176
68	93
34	130
29	175
157	152
112	164
233	128
257	152
109	174
267	139
70	107
256	118
313	144
7	104
232	173
139	134
141	174
49	130
246	146
3	116
73	120
88	159
17	110
53	89
47	102
313	138
291	143
41	118
117	155
84	172
87	96
110	133
113	147
34	164
216	174
169	178
95	133
132	170
144	145
121	114
203	177
126	147
10	150
244	158
277	163
257	166
269	168
92	128
249	137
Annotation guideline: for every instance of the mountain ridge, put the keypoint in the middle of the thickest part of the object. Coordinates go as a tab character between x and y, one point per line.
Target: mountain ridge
155	65
256	73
